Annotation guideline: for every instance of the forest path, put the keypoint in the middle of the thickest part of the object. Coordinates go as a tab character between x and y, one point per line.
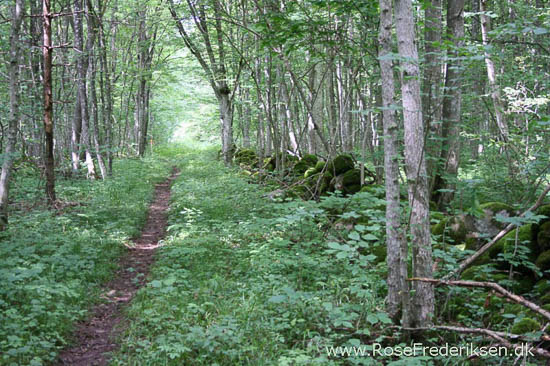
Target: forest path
95	337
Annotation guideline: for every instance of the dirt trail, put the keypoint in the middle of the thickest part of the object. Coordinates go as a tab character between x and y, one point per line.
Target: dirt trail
95	337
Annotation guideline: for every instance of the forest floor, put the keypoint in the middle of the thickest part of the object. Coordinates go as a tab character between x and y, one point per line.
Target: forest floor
95	338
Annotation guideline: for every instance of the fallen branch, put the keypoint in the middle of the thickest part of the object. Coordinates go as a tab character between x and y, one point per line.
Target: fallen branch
496	287
499	336
468	261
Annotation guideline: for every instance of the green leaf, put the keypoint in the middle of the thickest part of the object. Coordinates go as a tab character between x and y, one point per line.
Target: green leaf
354	235
369	237
277	299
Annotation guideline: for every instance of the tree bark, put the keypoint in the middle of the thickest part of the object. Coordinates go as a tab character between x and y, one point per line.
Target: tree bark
17	17
491	76
452	105
48	102
431	87
396	247
82	70
422	305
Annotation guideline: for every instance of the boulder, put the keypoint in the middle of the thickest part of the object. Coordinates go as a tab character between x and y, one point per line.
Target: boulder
508	242
543	236
487	225
347	183
340	164
457	228
543	261
310	159
246	157
305	163
320	165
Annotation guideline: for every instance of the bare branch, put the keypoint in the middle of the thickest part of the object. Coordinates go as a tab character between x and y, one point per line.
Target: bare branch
468	261
494	286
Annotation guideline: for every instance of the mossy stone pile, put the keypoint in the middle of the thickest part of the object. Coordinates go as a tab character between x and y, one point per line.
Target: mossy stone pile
246	157
305	163
340	164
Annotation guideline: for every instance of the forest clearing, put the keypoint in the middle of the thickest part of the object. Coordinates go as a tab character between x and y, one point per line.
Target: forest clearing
274	182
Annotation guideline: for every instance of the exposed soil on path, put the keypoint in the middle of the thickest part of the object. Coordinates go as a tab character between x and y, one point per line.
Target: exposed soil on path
95	337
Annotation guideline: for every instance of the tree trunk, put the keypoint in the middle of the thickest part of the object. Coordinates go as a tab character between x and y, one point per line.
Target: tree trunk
9	152
452	104
82	70
48	102
491	76
422	305
431	85
226	119
396	247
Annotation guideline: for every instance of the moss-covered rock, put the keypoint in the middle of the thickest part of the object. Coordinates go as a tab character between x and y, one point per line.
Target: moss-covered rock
440	227
300	167
543	261
340	164
497	207
246	157
543	236
310	172
484	259
270	163
545	211
347	183
318	184
352	181
292	158
320	165
305	163
526	325
508	242
454	227
310	159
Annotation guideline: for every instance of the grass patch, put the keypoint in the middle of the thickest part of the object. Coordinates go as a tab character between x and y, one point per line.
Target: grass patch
243	280
53	263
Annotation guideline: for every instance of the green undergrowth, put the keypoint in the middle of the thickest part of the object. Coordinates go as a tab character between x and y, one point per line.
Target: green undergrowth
243	280
54	262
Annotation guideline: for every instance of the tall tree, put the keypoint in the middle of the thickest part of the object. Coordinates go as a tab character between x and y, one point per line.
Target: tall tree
395	241
9	153
452	106
422	302
213	62
47	51
82	65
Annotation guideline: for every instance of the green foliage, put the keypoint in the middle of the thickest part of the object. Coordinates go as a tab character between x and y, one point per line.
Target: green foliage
526	325
244	280
53	264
